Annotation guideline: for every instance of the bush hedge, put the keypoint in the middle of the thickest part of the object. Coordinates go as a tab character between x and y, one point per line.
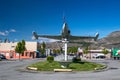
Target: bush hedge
50	58
76	59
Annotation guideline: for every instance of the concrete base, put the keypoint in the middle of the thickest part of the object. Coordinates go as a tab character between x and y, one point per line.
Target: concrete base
62	70
31	68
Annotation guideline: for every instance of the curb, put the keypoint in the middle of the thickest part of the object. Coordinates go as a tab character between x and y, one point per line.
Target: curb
62	70
32	68
104	68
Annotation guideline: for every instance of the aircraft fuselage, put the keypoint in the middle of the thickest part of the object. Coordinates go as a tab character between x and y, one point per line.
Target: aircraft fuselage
65	32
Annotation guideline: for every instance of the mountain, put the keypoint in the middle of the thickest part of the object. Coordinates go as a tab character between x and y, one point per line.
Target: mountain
110	41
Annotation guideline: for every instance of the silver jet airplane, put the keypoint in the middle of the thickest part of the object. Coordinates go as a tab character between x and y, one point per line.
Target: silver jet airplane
65	34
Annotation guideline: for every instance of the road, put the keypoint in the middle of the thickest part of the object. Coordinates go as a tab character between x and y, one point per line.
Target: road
14	70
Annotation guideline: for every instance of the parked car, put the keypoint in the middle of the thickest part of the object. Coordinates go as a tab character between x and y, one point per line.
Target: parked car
42	56
2	56
98	55
101	56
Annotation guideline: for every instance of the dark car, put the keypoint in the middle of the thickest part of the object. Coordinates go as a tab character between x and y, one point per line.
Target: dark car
2	56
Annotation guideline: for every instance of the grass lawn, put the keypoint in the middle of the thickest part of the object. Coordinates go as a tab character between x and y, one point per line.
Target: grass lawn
46	66
84	66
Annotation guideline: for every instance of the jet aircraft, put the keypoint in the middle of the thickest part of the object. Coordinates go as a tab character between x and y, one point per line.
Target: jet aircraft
65	34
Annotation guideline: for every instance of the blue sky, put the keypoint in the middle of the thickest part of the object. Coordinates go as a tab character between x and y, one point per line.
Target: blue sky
18	18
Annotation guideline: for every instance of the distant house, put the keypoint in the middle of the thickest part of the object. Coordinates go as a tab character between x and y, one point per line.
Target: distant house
8	49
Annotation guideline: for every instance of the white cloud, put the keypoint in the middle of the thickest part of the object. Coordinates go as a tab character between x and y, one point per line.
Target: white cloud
5	33
12	30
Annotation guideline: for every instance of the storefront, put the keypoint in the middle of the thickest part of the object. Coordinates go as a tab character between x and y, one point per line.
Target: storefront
8	50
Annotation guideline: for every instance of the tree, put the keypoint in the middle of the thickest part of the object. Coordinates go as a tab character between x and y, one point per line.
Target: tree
20	48
42	48
56	51
105	51
23	42
23	46
85	51
72	49
43	45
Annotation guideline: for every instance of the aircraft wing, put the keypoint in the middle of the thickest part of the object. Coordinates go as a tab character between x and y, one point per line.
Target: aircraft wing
85	37
80	37
46	36
59	37
50	36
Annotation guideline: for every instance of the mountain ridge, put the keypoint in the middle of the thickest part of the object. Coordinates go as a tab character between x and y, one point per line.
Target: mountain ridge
110	41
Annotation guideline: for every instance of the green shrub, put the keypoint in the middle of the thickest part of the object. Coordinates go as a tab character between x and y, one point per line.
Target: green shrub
50	58
76	59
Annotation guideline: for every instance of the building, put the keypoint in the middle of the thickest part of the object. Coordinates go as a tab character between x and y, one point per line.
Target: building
93	53
8	49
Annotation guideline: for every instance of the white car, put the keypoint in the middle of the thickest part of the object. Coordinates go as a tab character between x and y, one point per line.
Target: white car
98	55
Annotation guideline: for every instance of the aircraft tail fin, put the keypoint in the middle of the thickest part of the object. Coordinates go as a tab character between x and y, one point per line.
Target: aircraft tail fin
96	36
35	35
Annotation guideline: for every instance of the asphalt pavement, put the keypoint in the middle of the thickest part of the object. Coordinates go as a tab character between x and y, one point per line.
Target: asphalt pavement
14	70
